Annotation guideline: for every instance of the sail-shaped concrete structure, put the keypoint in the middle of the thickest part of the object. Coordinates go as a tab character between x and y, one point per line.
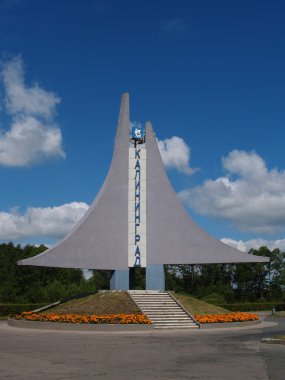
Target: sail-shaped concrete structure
136	220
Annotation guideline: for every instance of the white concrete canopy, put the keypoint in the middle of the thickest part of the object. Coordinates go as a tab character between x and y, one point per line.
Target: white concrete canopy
100	239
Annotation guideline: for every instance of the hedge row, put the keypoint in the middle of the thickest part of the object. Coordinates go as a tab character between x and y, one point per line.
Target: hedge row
13	309
254	306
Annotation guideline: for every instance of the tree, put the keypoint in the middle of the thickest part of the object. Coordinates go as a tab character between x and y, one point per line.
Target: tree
260	280
24	284
240	282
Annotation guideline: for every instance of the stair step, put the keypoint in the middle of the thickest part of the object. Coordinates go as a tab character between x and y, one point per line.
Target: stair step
163	310
154	300
173	315
159	310
166	318
168	307
159	301
151	296
161	323
172	323
163	317
152	304
176	327
161	307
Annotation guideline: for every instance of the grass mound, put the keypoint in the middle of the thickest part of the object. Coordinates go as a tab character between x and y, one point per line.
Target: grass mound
104	303
100	304
195	306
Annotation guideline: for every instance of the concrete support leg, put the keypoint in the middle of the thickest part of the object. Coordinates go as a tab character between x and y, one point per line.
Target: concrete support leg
119	280
155	277
132	277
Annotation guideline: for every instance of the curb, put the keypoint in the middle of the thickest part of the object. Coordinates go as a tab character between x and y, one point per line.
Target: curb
231	324
77	326
104	327
272	341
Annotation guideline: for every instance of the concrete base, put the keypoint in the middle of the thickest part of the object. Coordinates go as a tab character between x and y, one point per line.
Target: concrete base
119	280
125	279
155	277
132	277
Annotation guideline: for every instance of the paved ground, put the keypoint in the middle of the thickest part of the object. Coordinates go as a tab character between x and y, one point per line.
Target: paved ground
209	354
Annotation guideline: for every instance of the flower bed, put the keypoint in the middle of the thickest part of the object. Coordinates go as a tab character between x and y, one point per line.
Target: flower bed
226	318
77	318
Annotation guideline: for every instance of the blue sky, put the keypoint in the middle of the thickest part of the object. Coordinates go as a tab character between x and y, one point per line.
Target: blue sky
208	74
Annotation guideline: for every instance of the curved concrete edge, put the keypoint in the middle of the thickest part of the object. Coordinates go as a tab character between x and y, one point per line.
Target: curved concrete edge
54	304
230	327
77	326
230	324
272	341
140	328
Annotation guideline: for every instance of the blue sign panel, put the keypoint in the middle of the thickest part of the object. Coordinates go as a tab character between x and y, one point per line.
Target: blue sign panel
138	133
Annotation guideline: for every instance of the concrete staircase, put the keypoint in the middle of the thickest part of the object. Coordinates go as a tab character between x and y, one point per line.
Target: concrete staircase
163	310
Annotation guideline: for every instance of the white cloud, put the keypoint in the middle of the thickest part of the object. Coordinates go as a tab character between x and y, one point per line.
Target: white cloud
33	134
248	165
31	101
255	244
175	154
52	222
250	195
28	141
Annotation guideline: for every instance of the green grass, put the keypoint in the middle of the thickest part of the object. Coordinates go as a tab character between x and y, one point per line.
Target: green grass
99	303
121	303
196	306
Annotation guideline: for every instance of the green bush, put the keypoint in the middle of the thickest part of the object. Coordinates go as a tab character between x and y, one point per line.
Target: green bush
280	307
253	306
13	309
214	299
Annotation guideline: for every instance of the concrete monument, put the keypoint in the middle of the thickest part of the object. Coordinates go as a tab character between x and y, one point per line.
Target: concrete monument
136	220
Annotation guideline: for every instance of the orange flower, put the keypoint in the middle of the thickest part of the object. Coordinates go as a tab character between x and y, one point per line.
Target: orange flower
225	318
77	318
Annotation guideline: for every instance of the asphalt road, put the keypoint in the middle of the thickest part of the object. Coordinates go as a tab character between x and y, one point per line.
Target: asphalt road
204	354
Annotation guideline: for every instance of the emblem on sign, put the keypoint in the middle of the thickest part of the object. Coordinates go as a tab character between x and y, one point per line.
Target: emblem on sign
138	135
